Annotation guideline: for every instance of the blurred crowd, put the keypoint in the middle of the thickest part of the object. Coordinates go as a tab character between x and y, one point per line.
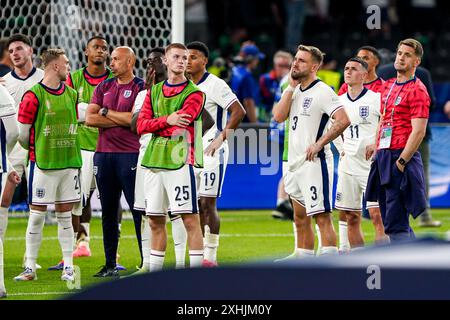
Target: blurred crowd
252	54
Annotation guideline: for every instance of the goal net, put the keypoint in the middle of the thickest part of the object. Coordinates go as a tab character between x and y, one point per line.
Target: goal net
139	24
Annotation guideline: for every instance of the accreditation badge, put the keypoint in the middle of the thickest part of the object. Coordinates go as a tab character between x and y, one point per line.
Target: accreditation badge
385	137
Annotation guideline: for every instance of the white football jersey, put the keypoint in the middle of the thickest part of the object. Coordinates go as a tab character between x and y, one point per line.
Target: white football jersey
145	138
364	114
218	98
310	112
17	86
7	110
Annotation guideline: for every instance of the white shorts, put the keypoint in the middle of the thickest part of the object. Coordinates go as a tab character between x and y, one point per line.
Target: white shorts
87	175
350	192
18	158
211	176
139	194
311	185
53	186
284	168
174	189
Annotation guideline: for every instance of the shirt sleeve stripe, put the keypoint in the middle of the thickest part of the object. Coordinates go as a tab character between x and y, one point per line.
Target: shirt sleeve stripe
331	114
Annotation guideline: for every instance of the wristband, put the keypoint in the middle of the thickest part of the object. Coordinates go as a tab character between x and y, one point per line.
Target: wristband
290	89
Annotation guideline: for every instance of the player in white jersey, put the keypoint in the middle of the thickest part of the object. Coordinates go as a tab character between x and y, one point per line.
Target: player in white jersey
309	103
17	82
8	138
363	108
219	101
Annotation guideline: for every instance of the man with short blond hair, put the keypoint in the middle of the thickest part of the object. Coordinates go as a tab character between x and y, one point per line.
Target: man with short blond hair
48	129
172	113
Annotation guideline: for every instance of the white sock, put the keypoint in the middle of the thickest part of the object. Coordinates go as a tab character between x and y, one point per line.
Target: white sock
156	260
319	237
86	226
146	234
65	236
195	258
2	279
33	237
3	222
279	201
304	252
295	236
329	251
179	235
211	245
344	245
75	236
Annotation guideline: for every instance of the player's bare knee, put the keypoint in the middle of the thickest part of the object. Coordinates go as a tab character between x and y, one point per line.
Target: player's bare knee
157	223
63	207
208	206
353	219
191	222
323	220
302	220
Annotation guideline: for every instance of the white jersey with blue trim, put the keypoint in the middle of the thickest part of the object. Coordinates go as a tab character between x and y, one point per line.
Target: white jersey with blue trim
17	86
310	111
364	114
7	113
218	98
145	138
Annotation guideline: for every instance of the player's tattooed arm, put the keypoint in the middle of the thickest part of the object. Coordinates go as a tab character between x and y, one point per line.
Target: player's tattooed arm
341	122
237	113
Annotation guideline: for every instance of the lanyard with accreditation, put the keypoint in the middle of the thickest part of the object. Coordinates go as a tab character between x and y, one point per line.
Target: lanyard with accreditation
386	128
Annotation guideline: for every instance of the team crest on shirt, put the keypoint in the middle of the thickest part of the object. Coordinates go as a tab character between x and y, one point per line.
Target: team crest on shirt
397	101
127	93
306	105
40	193
364	113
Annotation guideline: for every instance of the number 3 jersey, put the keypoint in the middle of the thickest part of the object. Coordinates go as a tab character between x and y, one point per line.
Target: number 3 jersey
310	111
364	114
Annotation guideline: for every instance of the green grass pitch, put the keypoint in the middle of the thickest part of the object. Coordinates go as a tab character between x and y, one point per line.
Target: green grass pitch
246	236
